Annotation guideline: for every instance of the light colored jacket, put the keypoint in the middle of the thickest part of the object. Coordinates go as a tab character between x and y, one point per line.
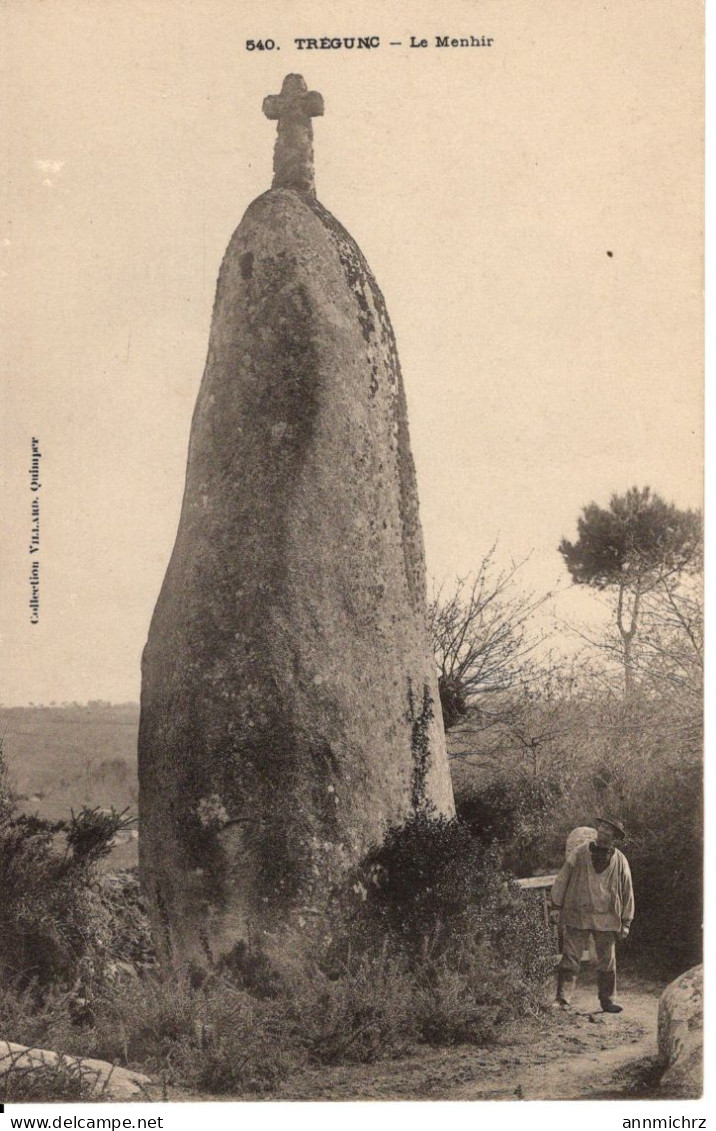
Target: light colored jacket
591	900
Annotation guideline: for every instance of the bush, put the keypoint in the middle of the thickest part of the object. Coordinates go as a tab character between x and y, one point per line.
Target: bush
664	818
148	1022
243	1044
514	815
365	1012
434	896
429	941
426	874
465	1002
54	925
256	966
214	1038
642	758
35	1016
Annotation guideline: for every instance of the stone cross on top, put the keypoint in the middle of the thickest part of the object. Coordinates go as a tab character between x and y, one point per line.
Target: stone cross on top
293	109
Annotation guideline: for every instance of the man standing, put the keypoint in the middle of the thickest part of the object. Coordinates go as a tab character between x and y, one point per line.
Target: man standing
594	895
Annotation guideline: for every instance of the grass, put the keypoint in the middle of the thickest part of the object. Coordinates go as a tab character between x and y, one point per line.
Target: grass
221	1038
44	1081
419	962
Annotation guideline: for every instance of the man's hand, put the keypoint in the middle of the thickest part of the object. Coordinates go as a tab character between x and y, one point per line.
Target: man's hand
623	933
554	913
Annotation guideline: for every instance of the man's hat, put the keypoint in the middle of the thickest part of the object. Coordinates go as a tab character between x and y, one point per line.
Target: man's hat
615	822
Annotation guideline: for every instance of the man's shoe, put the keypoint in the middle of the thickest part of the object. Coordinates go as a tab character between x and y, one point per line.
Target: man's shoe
560	1003
609	1006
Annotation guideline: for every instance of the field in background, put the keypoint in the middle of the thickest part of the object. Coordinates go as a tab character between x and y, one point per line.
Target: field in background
60	758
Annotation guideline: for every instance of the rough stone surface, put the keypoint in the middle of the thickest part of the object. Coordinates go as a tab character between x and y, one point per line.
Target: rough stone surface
681	1033
106	1080
290	710
293	109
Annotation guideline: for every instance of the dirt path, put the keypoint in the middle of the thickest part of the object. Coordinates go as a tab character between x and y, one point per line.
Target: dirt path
576	1055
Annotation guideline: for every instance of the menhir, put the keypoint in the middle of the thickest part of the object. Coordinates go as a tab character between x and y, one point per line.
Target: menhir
290	711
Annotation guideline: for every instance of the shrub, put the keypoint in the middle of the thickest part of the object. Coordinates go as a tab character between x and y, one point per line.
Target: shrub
35	1016
53	923
147	1023
365	1012
213	1037
253	966
429	941
515	815
243	1044
462	1001
425	874
665	851
435	897
642	758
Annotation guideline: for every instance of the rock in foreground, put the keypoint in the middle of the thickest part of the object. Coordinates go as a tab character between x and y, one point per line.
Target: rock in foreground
681	1034
101	1079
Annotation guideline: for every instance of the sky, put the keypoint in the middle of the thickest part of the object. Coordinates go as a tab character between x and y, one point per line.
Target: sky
532	212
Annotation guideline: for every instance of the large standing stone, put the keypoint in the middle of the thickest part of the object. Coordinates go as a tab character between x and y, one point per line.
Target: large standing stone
290	711
681	1034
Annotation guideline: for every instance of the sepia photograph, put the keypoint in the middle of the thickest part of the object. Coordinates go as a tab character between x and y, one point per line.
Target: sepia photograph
351	725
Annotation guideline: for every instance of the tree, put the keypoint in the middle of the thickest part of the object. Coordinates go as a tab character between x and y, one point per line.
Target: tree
548	717
537	730
669	656
632	547
482	637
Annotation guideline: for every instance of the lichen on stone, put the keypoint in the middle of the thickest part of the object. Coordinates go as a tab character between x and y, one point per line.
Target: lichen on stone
211	812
